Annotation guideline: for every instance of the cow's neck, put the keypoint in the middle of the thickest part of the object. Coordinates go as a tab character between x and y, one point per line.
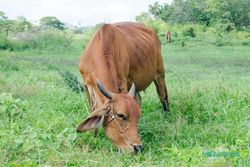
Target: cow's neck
110	83
107	60
108	74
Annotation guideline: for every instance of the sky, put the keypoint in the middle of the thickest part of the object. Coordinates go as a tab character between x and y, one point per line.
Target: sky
77	12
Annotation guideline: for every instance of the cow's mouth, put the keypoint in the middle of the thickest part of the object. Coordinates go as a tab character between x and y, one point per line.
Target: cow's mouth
131	149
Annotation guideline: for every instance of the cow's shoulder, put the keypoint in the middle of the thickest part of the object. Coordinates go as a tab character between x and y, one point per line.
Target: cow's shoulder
106	30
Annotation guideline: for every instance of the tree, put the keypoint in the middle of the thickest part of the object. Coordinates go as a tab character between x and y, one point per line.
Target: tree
14	26
3	16
237	12
231	13
21	25
52	22
198	12
180	12
144	16
161	11
5	25
155	9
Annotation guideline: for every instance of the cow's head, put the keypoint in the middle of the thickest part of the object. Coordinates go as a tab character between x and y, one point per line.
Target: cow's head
119	116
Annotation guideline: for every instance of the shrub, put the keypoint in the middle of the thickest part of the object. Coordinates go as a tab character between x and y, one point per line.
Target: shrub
53	39
71	81
182	43
38	38
189	31
245	43
10	108
46	38
4	42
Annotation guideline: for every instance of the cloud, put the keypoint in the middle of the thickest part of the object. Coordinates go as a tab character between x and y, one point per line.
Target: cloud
84	12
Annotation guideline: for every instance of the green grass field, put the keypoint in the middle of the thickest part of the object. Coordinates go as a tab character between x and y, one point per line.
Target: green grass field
209	91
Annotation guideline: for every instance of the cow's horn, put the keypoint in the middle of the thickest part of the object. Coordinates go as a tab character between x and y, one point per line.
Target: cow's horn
103	90
132	90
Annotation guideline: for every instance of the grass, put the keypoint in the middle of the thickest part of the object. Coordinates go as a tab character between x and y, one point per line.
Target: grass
209	89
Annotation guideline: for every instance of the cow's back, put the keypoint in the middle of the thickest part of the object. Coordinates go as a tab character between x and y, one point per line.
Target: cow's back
123	51
144	53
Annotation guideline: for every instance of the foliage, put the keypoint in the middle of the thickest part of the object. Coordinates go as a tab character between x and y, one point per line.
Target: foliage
144	16
48	38
22	25
237	12
3	16
181	33
4	43
189	32
71	81
206	12
52	22
20	34
10	108
191	11
6	26
37	38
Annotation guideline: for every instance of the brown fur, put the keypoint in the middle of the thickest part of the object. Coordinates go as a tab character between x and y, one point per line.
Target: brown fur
119	55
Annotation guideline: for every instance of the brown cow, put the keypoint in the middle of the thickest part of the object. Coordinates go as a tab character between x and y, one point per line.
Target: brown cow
118	57
169	36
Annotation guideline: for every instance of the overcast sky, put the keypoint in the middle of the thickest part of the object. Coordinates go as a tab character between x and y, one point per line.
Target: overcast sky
77	12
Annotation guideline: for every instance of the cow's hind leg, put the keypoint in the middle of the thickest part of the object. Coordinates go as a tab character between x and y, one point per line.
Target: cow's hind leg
162	92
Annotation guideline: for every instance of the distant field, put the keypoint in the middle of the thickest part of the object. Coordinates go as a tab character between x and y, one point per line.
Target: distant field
209	90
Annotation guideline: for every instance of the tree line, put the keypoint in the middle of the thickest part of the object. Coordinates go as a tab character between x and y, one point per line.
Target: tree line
20	34
21	24
234	14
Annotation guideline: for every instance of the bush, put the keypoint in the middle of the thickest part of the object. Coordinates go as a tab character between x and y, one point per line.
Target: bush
182	43
10	108
245	43
46	38
189	31
53	38
38	38
12	44
4	42
71	81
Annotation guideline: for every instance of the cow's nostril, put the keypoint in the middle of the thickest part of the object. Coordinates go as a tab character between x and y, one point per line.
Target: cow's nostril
138	148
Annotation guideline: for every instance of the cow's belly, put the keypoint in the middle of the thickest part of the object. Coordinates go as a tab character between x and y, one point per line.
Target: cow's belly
142	79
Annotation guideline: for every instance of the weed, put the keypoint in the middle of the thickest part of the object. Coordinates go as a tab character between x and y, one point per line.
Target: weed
71	81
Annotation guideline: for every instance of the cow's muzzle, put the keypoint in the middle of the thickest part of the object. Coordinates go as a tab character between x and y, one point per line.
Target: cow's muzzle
138	148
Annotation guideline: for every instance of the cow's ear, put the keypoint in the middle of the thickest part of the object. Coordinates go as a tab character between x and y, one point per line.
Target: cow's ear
92	122
95	120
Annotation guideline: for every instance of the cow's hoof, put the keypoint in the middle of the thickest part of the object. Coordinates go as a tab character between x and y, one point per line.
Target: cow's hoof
166	108
167	111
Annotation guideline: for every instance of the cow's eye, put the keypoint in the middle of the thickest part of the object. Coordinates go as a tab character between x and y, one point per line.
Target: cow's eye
121	116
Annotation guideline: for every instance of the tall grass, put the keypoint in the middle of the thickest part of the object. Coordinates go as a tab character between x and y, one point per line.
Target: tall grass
39	38
209	98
